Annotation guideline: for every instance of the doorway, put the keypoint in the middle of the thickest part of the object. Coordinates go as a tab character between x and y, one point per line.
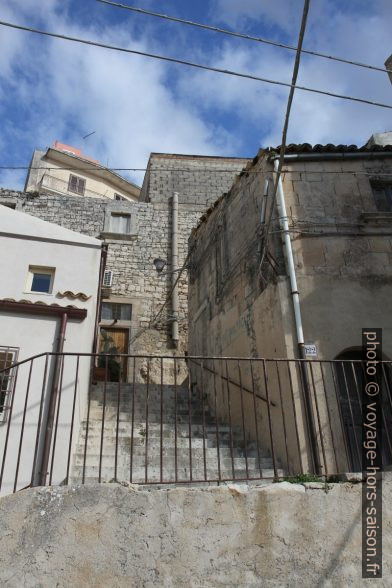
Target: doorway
114	341
351	379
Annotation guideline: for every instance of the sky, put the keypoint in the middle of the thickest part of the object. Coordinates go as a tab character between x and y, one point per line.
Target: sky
53	89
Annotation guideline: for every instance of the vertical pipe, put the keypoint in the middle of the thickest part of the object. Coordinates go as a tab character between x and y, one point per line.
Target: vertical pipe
174	267
286	239
48	418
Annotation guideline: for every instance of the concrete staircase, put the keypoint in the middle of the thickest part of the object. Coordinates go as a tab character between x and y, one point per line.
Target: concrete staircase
184	448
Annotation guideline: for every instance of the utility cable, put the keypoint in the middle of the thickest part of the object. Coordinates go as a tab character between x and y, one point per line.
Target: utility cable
242	35
285	129
201	170
193	64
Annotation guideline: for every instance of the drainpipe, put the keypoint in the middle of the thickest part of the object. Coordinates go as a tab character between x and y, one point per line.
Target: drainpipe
46	429
174	264
286	240
104	254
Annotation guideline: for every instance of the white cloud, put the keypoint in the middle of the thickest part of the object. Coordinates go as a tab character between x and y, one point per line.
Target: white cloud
72	89
136	106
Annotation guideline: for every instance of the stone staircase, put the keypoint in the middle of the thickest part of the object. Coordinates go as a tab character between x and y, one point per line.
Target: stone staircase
184	448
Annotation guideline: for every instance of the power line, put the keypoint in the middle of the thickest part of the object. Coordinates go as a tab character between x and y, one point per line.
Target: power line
200	170
285	129
192	64
242	35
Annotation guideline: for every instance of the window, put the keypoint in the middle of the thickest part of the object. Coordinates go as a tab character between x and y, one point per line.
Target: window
40	279
76	184
114	311
118	196
382	192
8	356
107	278
120	223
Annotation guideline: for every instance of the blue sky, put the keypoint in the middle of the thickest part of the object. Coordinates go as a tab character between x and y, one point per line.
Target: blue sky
51	89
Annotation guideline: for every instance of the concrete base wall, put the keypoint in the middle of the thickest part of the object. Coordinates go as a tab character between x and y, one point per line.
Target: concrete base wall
111	535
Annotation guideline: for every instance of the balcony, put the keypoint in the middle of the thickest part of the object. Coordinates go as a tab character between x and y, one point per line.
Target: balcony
50	183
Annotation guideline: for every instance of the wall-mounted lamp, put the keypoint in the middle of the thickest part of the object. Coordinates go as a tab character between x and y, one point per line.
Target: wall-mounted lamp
159	264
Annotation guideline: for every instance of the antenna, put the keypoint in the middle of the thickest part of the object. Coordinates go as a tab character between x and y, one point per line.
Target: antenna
89	135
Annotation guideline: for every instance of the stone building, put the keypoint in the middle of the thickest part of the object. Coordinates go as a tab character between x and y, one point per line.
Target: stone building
249	299
137	233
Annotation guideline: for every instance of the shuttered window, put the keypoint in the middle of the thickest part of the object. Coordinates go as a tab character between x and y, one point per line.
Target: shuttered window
8	356
382	192
76	184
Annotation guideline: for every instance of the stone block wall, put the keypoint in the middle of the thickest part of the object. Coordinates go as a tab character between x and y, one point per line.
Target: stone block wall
198	181
342	248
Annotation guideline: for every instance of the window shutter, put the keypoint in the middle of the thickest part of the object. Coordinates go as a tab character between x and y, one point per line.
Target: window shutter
108	278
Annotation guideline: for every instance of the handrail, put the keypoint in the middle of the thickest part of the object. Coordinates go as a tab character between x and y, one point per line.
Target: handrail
233	382
192	357
18	363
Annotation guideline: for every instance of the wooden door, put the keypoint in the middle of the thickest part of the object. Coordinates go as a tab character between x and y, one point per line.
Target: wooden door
115	341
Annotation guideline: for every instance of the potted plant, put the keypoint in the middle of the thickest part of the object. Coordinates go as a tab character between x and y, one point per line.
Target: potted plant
107	363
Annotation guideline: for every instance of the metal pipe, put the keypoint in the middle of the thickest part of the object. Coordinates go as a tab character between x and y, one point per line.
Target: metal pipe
174	260
344	155
286	240
102	266
46	432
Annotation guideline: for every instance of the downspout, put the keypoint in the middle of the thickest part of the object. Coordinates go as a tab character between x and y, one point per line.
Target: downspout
46	429
286	240
174	264
104	254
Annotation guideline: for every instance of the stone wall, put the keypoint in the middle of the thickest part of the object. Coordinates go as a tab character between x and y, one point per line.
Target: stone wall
199	181
109	535
343	258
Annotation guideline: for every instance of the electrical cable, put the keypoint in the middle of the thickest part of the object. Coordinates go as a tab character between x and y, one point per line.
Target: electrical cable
193	64
285	129
242	35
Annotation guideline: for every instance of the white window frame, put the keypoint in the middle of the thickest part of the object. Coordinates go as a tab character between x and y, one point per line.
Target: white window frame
107	279
9	391
36	269
120	214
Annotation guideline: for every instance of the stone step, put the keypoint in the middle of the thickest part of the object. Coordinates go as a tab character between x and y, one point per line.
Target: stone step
182	461
183	474
167	451
124	444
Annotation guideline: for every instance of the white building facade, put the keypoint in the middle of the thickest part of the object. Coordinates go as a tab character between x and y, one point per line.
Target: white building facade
48	304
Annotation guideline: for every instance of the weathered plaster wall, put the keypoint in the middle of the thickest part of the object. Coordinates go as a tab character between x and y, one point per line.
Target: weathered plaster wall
343	264
110	535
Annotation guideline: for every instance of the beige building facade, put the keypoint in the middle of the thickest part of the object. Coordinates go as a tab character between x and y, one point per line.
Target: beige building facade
243	301
63	169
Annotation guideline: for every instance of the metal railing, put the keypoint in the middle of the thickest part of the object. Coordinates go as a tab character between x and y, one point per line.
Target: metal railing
58	185
165	420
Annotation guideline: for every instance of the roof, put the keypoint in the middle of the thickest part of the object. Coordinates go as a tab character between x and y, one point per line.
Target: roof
21	225
297	148
94	166
42	308
184	156
329	148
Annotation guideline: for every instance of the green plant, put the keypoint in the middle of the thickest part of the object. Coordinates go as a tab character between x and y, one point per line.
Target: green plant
302	478
108	346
